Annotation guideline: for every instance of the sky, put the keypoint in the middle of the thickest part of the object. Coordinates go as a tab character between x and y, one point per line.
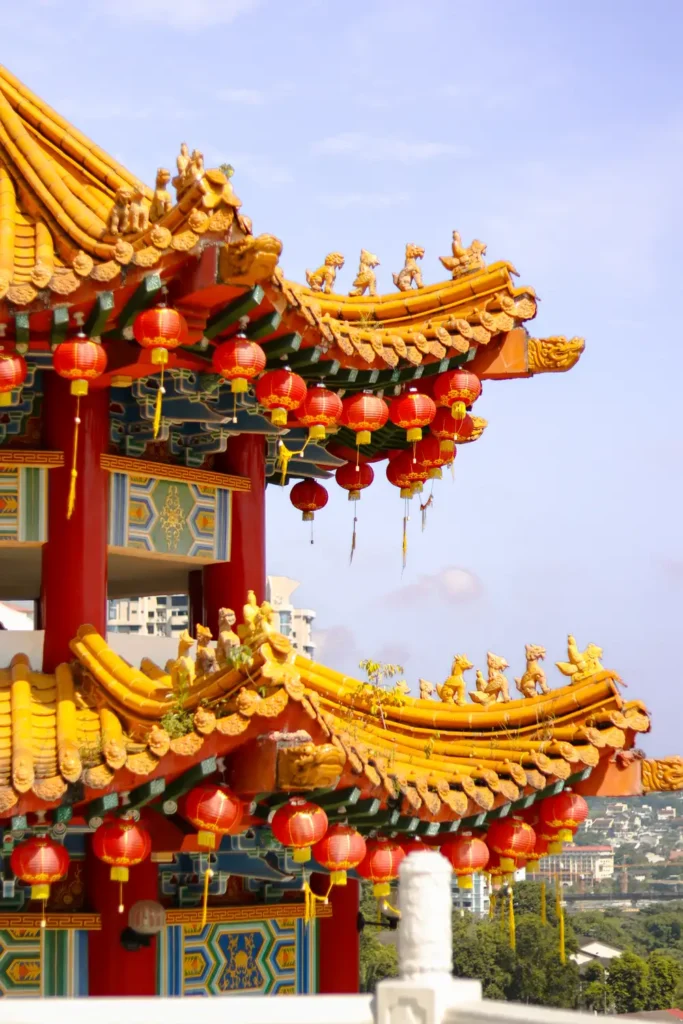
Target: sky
553	132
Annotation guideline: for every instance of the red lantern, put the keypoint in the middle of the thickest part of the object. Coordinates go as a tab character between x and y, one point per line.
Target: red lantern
380	864
160	330
512	839
450	431
214	811
457	389
354	479
541	849
320	410
408	467
562	814
309	497
79	360
240	361
122	844
340	451
430	457
413	844
412	411
299	825
40	861
397	474
281	392
467	855
13	370
340	850
364	414
495	871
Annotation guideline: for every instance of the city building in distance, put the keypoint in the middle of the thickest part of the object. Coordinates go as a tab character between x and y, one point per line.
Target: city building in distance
294	623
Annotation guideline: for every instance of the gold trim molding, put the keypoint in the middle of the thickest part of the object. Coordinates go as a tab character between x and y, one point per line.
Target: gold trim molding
183	474
662	776
260	912
32	459
59	922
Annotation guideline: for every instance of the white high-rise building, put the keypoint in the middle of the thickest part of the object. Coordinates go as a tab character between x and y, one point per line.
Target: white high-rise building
295	623
155	616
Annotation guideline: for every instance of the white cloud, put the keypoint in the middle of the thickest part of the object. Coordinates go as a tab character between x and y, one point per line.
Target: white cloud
450	586
183	14
376	200
376	150
246	97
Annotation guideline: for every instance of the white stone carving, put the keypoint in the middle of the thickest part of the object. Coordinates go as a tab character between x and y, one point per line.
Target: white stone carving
425	989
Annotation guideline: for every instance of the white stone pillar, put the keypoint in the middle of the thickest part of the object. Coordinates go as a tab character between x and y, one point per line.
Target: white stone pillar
425	988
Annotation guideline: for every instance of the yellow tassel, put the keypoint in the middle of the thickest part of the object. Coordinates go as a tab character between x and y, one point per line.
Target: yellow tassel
544	910
121	905
157	405
311	899
511	921
284	456
43	920
405	535
353	537
560	918
492	901
208	875
71	501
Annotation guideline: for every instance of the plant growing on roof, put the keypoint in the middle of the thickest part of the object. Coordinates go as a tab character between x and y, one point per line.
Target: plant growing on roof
378	692
178	721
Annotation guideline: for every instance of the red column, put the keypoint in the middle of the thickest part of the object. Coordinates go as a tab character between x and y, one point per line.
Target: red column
226	583
113	970
74	580
195	589
339	941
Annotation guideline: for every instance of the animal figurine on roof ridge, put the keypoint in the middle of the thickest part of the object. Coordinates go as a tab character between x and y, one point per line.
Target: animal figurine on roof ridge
495	688
464	260
410	274
581	664
162	202
227	638
365	280
249	613
322	279
206	661
452	691
534	677
182	669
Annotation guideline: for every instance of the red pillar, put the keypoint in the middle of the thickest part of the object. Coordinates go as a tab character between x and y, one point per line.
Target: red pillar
113	970
74	579
226	583
339	940
195	589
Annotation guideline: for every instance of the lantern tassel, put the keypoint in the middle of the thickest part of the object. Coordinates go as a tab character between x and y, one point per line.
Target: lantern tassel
284	456
353	537
71	500
311	899
423	508
404	546
121	904
492	902
544	910
157	405
560	917
511	921
43	920
208	875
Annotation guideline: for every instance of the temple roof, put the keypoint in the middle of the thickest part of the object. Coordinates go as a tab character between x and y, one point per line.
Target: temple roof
298	726
80	232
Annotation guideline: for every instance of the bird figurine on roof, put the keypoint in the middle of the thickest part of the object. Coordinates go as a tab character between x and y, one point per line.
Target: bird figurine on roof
464	260
581	664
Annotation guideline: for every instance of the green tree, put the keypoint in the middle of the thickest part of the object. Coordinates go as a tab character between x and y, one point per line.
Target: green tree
627	983
664	974
594	990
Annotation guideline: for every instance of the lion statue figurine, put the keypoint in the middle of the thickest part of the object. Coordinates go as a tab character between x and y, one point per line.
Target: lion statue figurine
322	279
365	278
411	273
534	676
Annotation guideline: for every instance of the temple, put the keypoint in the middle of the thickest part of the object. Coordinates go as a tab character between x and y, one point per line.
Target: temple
157	371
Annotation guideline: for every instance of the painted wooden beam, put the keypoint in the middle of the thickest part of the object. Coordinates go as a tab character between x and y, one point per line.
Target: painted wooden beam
184	783
230	314
143	297
59	325
144	794
97	809
99	314
264	326
282	346
22	332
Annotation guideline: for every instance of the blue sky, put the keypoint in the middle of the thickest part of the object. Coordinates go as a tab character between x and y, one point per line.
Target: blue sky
552	131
